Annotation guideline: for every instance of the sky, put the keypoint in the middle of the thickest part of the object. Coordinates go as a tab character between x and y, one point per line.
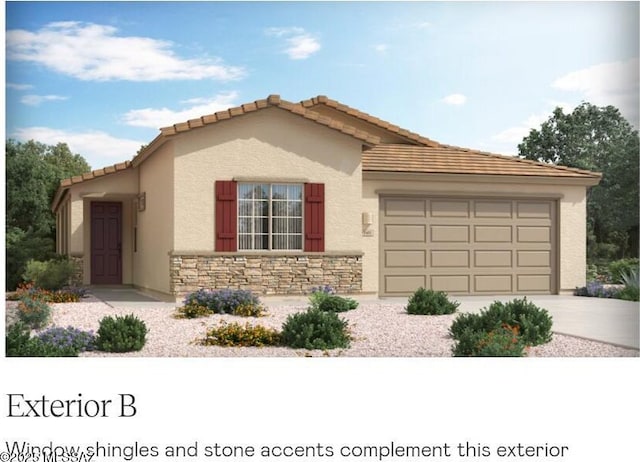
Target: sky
105	76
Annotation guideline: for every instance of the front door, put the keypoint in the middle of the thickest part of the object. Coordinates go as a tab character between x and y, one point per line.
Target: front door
106	243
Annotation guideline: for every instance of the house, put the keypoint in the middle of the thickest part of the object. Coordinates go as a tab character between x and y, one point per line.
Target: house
280	197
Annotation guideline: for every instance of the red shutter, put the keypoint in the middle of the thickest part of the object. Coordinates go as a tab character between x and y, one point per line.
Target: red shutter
226	216
314	217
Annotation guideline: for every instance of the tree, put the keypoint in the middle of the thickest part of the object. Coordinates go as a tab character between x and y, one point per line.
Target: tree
599	139
33	174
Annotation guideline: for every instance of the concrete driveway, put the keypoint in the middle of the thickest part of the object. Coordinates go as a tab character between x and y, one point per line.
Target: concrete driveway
607	320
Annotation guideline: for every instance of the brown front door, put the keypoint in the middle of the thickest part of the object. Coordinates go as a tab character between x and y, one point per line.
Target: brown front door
106	243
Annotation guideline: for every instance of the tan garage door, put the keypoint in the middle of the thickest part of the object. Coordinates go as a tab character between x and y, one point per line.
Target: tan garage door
467	245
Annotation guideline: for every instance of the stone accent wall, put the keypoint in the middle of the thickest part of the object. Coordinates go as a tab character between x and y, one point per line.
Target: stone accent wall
266	274
78	273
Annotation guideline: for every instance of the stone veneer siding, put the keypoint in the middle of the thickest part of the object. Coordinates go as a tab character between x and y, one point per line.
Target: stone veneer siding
266	274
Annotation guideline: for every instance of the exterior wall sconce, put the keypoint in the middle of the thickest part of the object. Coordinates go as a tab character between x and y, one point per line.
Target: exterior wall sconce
367	224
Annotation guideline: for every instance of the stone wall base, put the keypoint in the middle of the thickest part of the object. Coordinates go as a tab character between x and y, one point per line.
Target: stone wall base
266	274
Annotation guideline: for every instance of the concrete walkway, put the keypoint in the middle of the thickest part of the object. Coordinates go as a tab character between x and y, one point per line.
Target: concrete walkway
607	320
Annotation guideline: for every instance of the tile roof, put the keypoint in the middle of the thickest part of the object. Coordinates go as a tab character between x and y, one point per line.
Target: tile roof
451	159
321	99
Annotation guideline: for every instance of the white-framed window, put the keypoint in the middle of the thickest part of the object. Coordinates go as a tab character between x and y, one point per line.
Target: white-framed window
269	216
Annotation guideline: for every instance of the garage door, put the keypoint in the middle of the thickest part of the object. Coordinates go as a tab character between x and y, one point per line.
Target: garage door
467	245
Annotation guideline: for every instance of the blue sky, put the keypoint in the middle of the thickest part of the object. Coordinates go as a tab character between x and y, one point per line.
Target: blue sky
104	77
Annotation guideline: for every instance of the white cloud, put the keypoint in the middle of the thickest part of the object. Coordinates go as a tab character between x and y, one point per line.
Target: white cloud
163	117
63	48
36	100
455	99
300	44
98	148
381	48
615	84
19	86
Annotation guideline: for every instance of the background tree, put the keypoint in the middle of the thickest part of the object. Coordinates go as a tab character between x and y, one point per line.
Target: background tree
33	174
599	139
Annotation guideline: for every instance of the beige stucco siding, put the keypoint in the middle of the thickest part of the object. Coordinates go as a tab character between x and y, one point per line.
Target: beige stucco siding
117	187
268	145
155	223
571	216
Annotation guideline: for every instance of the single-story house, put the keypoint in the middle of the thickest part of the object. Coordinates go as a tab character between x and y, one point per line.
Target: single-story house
280	197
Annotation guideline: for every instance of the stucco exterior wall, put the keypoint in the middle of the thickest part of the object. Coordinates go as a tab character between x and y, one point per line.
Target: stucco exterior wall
263	146
571	216
116	187
155	223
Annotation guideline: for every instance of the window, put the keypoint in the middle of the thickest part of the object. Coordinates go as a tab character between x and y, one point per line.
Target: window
269	216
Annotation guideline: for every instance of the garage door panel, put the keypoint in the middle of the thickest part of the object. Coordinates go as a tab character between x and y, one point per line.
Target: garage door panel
534	233
450	259
442	233
493	283
468	246
493	209
484	233
534	282
405	233
534	210
451	283
534	258
493	258
403	284
443	208
405	208
405	258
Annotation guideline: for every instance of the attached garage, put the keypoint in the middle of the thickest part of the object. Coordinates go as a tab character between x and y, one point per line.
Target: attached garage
467	245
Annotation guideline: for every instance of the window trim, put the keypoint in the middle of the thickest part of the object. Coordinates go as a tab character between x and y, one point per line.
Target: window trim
270	234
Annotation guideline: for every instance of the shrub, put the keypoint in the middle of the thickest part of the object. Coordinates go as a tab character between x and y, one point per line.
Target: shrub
65	295
222	301
249	310
315	329
503	341
192	311
425	301
121	334
234	334
18	342
631	290
320	293
68	337
618	268
34	312
596	289
336	304
49	275
533	323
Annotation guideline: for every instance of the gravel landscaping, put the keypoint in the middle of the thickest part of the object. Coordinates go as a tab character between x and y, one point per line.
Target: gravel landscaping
378	330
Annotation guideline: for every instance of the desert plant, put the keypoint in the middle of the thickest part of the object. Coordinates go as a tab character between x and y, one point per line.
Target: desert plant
596	289
68	337
250	310
121	334
18	342
222	301
34	312
320	293
234	334
631	290
315	329
503	341
49	275
336	303
619	268
533	323
427	301
192	311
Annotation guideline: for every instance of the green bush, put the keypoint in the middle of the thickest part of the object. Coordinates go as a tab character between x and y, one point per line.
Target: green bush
631	290
315	329
121	334
18	342
335	303
49	275
503	341
34	312
533	323
234	334
617	269
425	301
